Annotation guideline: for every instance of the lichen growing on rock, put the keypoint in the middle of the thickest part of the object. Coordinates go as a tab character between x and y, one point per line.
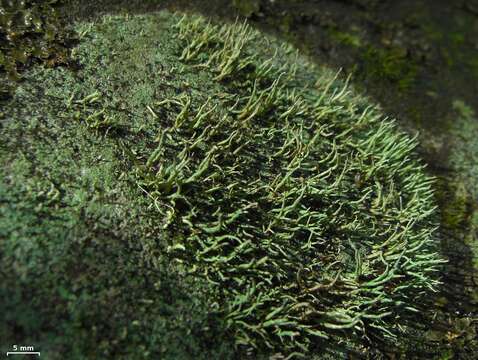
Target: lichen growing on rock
31	30
303	211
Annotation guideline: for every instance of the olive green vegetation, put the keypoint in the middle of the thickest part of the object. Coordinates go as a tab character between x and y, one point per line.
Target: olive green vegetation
391	65
30	31
246	7
194	185
384	66
345	38
458	197
462	213
388	65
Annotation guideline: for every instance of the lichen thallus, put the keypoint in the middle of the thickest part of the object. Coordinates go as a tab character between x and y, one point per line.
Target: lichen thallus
303	208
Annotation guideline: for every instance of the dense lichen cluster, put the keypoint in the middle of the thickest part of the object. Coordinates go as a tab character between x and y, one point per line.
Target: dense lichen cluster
295	199
304	213
29	31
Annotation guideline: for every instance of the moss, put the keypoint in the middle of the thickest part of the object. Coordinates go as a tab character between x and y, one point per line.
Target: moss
455	214
201	181
433	32
473	64
247	7
346	38
460	190
464	160
447	57
446	355
392	65
458	38
464	155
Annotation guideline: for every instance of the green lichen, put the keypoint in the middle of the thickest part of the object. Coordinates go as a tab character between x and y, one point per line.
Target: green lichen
30	31
190	154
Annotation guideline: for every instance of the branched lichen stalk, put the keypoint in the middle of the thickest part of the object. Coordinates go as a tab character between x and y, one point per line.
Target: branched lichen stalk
315	215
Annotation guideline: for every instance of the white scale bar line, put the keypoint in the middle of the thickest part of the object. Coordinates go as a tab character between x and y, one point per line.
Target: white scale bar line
23	353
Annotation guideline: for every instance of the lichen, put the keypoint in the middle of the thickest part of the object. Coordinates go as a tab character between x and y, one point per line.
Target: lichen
221	159
30	31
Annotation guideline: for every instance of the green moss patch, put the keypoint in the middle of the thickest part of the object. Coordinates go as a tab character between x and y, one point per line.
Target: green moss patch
392	65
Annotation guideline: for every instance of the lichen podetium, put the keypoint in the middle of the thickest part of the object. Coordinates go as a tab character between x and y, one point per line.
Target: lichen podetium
301	216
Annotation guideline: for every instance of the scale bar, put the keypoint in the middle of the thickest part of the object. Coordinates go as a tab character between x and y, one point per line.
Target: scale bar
23	353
